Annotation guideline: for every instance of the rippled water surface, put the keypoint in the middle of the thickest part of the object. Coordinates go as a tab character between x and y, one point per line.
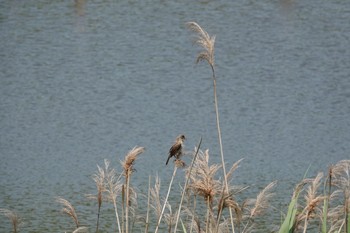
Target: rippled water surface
86	80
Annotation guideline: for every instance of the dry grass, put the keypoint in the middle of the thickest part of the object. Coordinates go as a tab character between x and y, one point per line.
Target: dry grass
69	210
13	217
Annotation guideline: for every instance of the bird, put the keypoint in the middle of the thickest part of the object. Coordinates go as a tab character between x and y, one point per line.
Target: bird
176	148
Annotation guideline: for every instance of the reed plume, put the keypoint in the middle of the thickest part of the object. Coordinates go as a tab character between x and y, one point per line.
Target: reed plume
341	178
262	200
312	199
202	177
128	166
203	182
113	187
69	210
13	217
99	179
207	42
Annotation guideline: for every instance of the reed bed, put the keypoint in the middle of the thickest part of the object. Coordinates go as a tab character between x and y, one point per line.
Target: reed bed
210	200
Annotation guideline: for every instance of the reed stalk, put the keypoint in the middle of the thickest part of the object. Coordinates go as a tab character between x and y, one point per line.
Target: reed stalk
69	210
207	43
166	198
13	217
208	215
99	179
148	204
127	203
327	191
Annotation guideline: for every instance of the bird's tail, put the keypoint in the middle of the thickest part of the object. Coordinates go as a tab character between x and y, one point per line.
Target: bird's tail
167	161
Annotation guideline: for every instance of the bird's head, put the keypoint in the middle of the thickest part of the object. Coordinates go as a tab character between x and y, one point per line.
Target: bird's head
181	138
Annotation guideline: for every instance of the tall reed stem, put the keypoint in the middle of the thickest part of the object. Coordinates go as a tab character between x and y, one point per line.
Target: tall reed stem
166	199
208	213
148	204
98	217
220	143
207	43
116	213
127	203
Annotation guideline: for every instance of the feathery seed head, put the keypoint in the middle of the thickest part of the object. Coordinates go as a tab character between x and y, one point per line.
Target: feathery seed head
205	41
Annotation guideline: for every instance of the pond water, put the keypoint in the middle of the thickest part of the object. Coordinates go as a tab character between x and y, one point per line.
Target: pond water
82	81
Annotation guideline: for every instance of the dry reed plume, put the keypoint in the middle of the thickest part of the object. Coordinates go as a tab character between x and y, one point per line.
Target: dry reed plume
99	179
128	166
13	217
69	210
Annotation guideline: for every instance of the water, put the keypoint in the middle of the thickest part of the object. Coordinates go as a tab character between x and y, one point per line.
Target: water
86	80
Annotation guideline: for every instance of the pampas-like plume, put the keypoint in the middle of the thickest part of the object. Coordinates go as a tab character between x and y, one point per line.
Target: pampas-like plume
13	217
312	199
99	178
68	209
260	204
128	165
130	159
262	200
205	41
341	174
113	188
202	178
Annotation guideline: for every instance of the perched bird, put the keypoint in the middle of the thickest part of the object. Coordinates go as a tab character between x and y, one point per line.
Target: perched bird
176	149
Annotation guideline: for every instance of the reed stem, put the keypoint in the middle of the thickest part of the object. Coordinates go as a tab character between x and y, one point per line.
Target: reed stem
166	199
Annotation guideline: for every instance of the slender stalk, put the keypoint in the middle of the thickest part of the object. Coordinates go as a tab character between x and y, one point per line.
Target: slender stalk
328	184
148	204
116	213
208	213
194	209
166	199
220	143
306	222
123	207
98	218
186	184
127	203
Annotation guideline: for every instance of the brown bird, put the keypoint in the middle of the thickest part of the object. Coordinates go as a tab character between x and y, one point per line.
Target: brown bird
176	149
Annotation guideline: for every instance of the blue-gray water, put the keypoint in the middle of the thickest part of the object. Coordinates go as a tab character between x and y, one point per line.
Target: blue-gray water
86	80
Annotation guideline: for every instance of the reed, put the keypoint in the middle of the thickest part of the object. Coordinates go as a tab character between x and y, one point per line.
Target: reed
206	42
69	210
99	178
166	203
113	187
13	217
312	200
128	166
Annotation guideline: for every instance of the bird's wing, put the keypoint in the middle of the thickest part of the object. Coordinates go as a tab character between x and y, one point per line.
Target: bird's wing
175	149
